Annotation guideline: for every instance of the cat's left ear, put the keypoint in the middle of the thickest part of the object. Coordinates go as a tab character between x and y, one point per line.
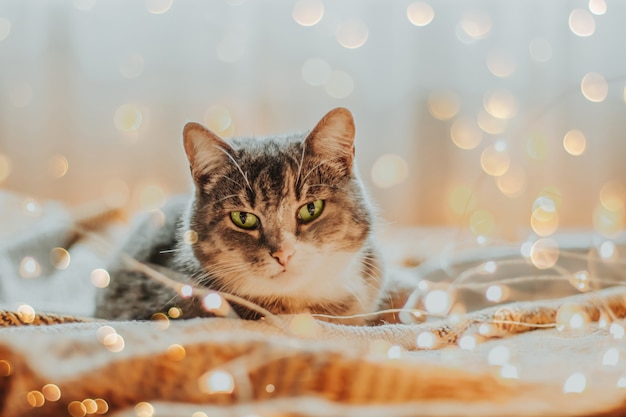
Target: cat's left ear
332	138
205	150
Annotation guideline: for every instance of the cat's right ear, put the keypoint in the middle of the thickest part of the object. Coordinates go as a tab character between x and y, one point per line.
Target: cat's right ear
205	150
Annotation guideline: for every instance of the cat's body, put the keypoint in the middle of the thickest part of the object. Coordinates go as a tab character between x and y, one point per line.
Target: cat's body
283	222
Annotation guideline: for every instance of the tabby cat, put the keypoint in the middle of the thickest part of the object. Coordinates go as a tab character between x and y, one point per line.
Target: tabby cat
283	222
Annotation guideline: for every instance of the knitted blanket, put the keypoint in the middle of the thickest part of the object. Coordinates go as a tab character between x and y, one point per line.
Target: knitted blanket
547	357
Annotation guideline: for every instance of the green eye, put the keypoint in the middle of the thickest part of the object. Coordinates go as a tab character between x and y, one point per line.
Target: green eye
244	220
311	211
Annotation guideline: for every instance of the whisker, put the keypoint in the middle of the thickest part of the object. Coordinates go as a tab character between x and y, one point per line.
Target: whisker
317	166
227	197
245	177
232	180
169	251
300	164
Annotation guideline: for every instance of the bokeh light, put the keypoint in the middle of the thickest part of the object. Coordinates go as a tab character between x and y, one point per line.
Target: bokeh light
59	258
6	369
114	343
175	312
144	409
501	104
580	280
29	267
501	62
427	340
190	237
475	24
127	118
608	250
389	170
499	355
594	87
513	182
35	399
575	383
574	142
490	124
571	316
461	200
217	382
158	6
52	392
597	7
467	342
582	23
613	195
91	406
544	253
465	133
76	409
616	330
26	313
352	33
544	222
212	301
186	291
100	278
176	353
316	71
219	119
610	357
496	293
495	159
58	166
420	13
437	302
443	104
32	207
5	28
339	85
308	12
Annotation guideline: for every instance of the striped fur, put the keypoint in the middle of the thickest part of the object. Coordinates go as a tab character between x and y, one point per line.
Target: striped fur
334	268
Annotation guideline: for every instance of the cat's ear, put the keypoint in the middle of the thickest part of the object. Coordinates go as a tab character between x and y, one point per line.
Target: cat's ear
333	137
205	150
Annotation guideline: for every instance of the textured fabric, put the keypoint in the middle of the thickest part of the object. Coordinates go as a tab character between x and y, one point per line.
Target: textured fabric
323	369
519	364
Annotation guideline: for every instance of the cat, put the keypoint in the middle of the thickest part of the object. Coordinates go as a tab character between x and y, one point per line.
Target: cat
282	221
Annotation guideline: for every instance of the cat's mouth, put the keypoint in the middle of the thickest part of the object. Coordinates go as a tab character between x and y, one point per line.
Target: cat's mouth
284	273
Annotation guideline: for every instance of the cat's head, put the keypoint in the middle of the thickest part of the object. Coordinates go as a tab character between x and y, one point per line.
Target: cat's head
279	216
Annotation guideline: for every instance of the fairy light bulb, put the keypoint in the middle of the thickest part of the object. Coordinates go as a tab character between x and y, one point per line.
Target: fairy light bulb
594	87
217	382
437	302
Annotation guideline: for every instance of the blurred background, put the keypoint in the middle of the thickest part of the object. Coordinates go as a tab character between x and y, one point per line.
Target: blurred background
501	119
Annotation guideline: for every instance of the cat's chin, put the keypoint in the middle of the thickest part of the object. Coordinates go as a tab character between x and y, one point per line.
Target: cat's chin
320	278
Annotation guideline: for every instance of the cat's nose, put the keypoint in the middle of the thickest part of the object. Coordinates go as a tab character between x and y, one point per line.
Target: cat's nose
283	255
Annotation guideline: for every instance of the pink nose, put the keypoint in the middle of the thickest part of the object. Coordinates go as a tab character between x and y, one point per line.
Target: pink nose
283	255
